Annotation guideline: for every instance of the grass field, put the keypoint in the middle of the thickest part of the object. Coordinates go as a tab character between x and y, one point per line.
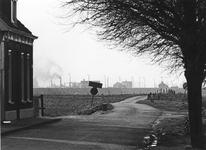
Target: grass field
175	105
60	105
104	91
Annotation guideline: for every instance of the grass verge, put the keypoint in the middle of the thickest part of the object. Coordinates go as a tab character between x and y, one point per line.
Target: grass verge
172	129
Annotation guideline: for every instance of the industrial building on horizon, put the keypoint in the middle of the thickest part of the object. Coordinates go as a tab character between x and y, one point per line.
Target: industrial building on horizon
82	84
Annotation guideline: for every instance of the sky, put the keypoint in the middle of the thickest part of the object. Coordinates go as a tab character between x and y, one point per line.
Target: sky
76	54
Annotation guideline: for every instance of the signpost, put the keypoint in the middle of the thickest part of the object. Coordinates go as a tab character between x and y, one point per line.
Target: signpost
94	90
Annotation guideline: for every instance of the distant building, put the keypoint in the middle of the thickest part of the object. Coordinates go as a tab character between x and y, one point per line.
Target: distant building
163	85
124	84
85	84
119	85
127	84
75	85
53	85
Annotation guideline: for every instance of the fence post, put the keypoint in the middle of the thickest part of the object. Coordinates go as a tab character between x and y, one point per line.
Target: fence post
42	105
36	106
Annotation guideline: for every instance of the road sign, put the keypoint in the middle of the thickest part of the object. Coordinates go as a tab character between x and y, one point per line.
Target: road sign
95	84
94	91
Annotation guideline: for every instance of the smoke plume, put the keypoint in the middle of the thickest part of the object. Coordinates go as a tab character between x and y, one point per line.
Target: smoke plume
48	71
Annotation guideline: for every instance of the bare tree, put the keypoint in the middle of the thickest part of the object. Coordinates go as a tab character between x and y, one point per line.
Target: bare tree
167	30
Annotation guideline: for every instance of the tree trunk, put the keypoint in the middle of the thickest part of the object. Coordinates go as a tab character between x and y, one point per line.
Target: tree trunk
194	83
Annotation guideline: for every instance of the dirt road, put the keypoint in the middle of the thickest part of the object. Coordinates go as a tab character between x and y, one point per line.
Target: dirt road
126	113
121	128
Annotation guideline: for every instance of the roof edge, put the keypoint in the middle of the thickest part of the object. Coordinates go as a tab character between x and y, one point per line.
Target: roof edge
17	31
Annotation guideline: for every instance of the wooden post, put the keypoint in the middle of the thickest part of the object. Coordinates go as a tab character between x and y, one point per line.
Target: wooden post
42	105
36	106
92	100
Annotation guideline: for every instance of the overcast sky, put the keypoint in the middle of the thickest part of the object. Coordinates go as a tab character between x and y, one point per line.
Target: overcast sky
78	53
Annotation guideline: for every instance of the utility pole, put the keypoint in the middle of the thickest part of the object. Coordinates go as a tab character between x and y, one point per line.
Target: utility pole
105	78
69	80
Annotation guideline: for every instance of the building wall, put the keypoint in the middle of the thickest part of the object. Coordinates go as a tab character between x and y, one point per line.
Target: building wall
16	64
24	109
127	84
24	113
1	56
2	87
21	105
20	89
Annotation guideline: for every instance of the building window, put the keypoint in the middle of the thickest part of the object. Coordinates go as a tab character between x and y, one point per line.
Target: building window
28	77
22	78
10	77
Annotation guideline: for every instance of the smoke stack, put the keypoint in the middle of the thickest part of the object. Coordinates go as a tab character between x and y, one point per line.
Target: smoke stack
51	82
60	81
14	11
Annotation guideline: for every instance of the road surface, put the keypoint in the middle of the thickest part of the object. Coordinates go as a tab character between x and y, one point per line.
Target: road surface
122	128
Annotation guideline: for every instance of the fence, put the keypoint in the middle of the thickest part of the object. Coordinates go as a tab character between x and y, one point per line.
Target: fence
39	106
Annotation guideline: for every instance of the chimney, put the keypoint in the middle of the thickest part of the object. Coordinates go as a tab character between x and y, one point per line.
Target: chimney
60	78
14	11
51	82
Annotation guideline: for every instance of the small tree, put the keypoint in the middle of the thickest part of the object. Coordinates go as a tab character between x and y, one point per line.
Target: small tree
171	31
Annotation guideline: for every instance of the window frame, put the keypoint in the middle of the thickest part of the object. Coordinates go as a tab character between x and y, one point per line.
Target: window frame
10	77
